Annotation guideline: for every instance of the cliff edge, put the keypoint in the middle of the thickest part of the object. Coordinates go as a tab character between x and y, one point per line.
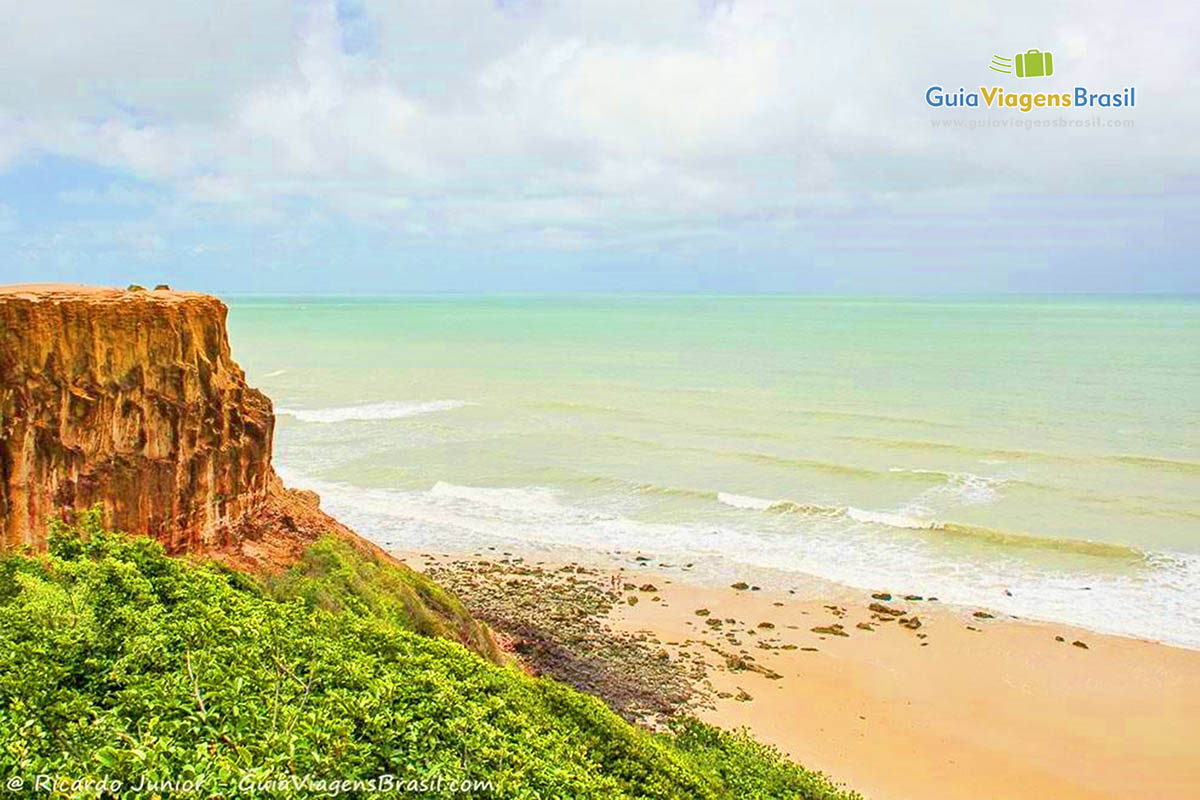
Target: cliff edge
131	399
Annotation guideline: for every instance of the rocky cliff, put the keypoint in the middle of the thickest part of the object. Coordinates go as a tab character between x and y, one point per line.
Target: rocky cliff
131	399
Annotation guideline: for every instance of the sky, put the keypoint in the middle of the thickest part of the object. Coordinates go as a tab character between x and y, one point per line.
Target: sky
602	145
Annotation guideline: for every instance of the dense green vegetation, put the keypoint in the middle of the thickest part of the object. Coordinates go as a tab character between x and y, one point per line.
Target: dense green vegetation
119	662
336	576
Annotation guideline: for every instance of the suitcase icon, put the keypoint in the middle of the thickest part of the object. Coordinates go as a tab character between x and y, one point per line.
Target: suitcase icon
1034	64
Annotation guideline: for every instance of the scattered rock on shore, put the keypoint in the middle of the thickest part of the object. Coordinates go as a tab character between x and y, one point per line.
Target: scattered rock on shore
736	663
880	608
830	630
557	624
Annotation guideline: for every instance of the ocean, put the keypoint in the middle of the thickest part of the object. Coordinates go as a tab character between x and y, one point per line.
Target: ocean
1035	455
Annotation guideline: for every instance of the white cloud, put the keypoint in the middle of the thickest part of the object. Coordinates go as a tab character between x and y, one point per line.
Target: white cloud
177	62
578	120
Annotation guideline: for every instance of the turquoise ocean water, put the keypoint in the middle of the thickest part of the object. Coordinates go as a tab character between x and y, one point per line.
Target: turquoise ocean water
1038	455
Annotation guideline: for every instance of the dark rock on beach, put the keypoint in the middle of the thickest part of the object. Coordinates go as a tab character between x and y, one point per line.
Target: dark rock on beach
557	627
879	608
830	630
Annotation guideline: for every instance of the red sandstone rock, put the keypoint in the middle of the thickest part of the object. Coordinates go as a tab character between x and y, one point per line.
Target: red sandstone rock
131	399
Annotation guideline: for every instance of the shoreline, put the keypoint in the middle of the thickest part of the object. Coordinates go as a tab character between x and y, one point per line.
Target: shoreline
959	700
708	572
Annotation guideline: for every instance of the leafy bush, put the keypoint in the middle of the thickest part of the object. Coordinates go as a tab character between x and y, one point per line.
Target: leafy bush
119	662
336	576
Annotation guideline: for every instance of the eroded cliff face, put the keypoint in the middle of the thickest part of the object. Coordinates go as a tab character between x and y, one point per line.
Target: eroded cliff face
131	399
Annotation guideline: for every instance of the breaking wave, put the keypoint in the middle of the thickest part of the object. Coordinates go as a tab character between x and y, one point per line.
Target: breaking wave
903	521
837	543
373	411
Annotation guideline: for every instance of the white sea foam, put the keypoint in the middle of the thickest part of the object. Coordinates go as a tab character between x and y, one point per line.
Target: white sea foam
1153	598
960	488
532	500
275	373
886	518
744	501
889	519
373	411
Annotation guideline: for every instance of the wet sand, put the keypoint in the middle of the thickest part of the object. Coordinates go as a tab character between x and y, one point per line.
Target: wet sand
977	708
952	706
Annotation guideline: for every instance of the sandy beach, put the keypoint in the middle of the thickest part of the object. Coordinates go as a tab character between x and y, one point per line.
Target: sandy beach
958	704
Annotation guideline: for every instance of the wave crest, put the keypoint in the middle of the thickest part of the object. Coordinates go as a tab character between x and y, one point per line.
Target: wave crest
372	411
950	529
744	501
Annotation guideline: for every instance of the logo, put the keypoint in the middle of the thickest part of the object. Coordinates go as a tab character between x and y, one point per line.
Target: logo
1030	64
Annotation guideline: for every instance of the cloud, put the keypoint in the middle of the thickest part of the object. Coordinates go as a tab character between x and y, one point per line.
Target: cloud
564	125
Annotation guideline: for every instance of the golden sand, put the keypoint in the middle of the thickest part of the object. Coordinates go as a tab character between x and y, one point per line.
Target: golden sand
943	711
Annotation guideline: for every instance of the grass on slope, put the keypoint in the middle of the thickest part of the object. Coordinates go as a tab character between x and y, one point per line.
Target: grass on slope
335	576
119	662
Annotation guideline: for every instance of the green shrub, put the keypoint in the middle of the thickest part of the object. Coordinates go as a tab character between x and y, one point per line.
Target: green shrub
119	662
335	576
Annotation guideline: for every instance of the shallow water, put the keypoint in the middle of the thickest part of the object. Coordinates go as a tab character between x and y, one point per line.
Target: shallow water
1039	455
